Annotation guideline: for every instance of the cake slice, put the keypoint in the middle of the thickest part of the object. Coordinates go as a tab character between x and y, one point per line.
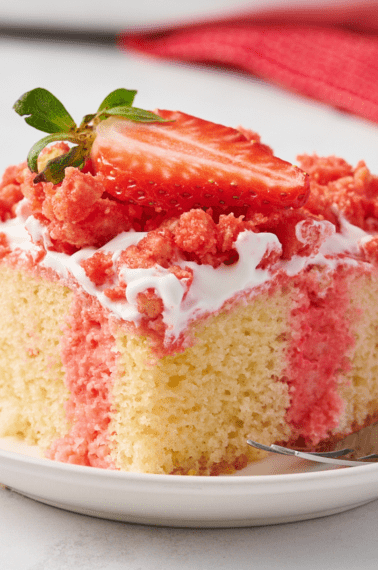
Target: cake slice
171	289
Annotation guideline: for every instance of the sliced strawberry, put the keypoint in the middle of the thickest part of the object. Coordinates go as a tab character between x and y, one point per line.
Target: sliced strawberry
189	162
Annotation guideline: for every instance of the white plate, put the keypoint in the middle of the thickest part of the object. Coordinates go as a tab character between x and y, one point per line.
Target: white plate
229	501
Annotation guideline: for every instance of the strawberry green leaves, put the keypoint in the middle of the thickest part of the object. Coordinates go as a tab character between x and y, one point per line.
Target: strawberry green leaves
119	102
43	111
135	114
118	98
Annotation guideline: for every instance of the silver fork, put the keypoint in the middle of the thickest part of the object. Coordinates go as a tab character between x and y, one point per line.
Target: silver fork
319	457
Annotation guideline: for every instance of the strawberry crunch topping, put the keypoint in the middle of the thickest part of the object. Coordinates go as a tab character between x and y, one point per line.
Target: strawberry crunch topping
192	185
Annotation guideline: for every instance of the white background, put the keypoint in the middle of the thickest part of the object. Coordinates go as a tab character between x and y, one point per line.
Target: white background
38	537
138	13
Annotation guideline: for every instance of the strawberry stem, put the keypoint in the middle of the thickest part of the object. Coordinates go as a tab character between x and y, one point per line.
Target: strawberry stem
43	111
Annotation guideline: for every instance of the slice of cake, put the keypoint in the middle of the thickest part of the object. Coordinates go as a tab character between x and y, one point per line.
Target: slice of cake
171	289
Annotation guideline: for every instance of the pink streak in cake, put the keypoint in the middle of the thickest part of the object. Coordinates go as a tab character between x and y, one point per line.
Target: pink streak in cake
90	365
321	339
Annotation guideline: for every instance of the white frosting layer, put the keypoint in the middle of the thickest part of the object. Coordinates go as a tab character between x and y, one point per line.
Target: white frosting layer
210	288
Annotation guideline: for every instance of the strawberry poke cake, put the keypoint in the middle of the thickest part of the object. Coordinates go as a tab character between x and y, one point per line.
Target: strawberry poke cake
170	289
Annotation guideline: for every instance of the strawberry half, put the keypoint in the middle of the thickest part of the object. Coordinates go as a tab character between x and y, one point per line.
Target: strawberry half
189	162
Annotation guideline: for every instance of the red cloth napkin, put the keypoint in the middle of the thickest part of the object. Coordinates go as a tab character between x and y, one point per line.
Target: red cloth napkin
328	54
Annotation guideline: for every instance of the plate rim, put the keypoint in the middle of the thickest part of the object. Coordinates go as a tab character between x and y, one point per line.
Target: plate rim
197	501
75	470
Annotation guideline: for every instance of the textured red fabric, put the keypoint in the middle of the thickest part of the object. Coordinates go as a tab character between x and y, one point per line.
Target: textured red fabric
316	58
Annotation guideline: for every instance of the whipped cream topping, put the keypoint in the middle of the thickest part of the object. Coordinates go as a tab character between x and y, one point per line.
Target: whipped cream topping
210	288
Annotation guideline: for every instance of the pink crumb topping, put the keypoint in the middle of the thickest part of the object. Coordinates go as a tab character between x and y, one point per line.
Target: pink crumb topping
99	267
369	251
10	192
150	304
4	245
334	183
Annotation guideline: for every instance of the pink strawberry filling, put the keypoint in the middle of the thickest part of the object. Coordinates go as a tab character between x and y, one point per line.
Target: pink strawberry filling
318	356
90	365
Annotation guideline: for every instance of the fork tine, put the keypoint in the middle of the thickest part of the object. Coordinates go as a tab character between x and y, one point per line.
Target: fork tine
333	454
287	451
371	456
283	450
327	457
262	446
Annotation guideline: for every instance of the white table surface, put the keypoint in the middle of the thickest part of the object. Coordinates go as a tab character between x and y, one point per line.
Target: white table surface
34	536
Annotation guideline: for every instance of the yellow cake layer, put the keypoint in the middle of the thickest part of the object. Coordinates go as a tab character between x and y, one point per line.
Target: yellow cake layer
359	387
32	389
200	406
183	413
